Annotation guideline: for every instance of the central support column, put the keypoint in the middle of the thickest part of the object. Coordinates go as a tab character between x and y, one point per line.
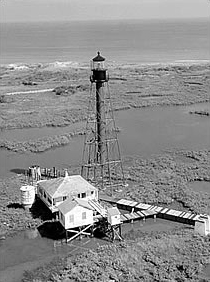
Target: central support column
99	120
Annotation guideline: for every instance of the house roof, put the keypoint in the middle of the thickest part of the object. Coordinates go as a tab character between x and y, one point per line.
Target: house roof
113	211
65	186
67	206
70	204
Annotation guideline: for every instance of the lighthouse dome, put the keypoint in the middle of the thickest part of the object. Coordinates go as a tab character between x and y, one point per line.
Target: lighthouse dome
97	63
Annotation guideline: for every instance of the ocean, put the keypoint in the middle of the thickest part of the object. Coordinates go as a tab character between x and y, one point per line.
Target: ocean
135	41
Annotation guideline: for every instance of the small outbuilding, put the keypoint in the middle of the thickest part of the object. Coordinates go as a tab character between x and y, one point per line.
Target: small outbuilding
75	213
202	225
114	217
53	192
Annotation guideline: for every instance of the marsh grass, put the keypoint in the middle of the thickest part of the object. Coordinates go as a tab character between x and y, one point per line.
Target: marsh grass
41	144
129	87
171	256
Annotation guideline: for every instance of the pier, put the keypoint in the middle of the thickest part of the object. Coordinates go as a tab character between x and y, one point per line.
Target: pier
141	210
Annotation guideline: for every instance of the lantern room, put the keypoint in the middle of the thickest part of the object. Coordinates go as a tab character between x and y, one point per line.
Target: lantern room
99	72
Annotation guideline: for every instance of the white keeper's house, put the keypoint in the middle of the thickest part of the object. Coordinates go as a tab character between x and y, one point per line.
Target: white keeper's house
75	213
53	192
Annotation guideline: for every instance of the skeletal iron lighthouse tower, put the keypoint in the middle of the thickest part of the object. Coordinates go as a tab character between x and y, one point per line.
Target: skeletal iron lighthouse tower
101	163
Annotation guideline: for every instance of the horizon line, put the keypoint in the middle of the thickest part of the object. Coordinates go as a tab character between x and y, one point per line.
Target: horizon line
108	20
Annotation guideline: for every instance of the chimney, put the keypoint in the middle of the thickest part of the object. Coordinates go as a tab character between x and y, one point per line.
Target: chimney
66	173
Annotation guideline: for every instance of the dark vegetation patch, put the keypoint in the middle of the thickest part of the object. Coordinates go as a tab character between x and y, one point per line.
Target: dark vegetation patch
118	78
19	171
15	206
41	144
201	113
29	82
70	90
6	99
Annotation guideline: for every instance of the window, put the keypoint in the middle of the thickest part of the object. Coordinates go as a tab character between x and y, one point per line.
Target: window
49	200
45	195
83	195
64	198
92	192
58	200
61	216
78	195
71	218
84	215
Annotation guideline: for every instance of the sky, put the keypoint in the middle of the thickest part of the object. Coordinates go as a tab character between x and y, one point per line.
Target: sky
67	10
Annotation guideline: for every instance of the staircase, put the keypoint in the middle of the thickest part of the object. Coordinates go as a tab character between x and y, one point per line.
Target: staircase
94	204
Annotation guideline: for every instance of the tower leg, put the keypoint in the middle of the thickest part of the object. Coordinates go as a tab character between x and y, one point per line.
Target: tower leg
66	236
120	230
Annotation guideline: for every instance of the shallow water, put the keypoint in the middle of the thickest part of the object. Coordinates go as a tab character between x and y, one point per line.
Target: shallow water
144	132
200	186
25	134
26	251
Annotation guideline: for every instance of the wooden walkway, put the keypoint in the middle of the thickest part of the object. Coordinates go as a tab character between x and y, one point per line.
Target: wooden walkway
141	210
132	216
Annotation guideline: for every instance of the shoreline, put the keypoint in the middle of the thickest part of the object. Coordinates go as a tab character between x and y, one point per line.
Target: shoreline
111	64
45	143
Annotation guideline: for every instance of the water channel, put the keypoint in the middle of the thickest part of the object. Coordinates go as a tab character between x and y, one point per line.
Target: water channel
144	132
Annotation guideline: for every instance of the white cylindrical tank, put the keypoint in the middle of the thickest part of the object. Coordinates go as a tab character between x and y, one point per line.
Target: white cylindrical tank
27	195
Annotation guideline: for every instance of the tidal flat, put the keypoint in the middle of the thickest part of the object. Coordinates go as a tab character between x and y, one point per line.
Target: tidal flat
164	179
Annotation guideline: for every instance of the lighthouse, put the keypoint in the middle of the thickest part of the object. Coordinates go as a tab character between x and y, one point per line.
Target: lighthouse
99	77
101	161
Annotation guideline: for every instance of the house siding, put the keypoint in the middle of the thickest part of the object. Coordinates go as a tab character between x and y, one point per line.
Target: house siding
114	219
44	197
77	213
